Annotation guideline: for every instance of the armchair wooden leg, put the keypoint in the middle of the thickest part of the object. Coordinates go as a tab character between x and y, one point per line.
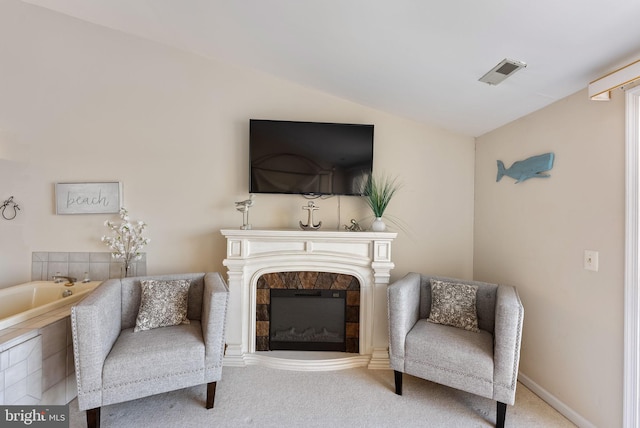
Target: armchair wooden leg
211	394
398	378
501	415
93	418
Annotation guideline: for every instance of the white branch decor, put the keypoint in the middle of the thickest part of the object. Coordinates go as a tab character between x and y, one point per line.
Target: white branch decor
127	241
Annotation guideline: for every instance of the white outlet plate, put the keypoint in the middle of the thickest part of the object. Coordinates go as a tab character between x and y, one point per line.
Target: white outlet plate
591	260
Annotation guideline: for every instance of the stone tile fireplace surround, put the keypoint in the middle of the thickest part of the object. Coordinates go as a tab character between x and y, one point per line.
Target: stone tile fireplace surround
308	281
256	254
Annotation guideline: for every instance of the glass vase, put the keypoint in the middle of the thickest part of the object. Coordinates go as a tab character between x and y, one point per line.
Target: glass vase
125	270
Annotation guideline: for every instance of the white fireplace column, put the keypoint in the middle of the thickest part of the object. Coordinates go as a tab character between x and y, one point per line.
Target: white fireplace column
253	253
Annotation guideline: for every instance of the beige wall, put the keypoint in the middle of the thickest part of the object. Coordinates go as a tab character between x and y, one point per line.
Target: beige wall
83	103
533	234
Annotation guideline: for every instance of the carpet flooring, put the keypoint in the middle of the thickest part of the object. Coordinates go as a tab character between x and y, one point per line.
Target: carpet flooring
257	396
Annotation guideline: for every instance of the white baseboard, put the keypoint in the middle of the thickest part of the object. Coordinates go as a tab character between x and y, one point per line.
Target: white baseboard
554	402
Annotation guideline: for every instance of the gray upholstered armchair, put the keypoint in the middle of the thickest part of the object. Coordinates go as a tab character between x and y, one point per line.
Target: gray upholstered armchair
115	364
483	362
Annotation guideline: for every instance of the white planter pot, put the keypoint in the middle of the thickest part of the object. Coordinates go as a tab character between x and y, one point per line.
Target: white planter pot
378	225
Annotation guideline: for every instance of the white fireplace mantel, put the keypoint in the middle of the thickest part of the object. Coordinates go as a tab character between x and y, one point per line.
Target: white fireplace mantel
253	253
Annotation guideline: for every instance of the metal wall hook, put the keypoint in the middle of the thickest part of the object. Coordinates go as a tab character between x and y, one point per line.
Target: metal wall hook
11	205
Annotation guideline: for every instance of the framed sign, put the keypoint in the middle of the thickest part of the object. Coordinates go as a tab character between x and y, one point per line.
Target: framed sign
88	198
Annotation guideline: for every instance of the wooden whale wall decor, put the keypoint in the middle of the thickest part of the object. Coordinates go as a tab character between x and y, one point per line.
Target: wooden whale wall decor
535	166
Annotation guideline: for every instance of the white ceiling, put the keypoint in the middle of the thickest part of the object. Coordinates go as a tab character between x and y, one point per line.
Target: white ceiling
416	58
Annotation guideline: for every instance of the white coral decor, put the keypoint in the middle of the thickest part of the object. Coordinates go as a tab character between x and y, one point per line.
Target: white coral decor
127	241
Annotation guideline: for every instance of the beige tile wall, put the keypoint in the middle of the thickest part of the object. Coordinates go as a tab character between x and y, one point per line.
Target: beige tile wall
98	265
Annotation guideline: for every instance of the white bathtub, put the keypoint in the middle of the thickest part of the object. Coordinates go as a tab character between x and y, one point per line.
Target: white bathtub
24	301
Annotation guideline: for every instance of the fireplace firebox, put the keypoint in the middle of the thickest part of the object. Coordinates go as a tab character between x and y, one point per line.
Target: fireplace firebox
307	320
308	285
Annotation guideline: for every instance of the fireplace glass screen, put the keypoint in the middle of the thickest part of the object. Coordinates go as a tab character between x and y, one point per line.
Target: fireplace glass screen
307	320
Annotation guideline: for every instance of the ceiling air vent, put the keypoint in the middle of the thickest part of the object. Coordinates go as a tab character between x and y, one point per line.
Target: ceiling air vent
504	69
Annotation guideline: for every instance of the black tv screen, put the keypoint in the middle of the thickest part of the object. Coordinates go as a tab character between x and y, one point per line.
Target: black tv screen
309	157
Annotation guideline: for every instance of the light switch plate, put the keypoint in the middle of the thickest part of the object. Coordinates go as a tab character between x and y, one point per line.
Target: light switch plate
591	260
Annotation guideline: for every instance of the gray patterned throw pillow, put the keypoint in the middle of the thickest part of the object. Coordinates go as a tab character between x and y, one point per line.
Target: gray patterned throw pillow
454	304
163	303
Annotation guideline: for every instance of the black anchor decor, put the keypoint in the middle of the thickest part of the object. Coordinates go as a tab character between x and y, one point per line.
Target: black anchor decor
12	208
311	207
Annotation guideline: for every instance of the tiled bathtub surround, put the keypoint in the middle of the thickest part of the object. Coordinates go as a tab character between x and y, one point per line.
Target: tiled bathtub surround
21	373
308	281
36	361
36	355
99	265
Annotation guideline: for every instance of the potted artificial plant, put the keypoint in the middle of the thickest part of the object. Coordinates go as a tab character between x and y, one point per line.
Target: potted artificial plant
378	191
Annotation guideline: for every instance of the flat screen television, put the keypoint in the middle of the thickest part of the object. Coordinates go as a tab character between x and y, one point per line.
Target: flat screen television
309	157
